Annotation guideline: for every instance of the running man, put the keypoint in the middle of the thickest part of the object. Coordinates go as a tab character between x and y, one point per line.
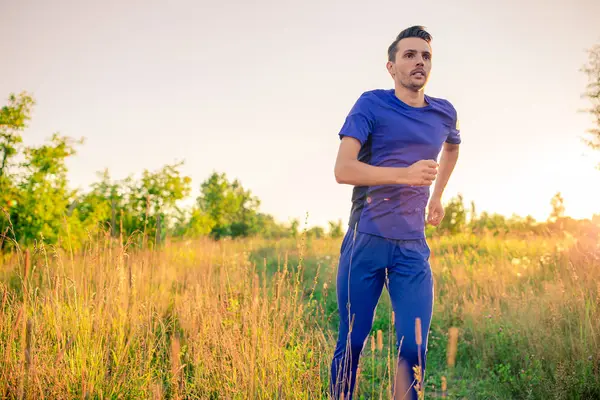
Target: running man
390	142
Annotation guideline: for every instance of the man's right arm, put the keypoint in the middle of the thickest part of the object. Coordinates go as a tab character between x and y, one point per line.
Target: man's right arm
349	170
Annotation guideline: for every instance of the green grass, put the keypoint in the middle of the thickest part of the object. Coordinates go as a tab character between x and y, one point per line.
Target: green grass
258	319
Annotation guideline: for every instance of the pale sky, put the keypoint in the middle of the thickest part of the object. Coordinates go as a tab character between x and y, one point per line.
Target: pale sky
259	90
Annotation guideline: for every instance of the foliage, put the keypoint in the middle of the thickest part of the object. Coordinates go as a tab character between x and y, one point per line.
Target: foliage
455	218
37	203
13	120
592	93
34	191
42	193
335	229
232	209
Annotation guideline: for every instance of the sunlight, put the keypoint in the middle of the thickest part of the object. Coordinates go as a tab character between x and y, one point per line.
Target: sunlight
580	187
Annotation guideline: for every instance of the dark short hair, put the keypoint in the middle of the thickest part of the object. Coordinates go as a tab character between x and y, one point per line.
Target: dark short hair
417	31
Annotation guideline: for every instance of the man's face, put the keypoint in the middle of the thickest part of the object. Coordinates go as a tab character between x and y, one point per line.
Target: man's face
412	65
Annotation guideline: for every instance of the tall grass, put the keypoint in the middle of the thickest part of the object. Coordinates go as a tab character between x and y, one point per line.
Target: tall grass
528	311
257	319
195	320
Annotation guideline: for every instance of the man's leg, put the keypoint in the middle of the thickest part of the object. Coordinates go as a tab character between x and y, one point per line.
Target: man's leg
411	291
360	280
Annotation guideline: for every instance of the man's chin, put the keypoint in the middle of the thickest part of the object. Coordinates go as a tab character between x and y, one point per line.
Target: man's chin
418	84
415	87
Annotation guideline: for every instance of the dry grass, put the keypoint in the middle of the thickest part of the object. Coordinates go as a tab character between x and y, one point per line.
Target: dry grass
254	319
192	321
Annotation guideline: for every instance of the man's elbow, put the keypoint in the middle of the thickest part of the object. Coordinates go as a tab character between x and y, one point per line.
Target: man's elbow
341	173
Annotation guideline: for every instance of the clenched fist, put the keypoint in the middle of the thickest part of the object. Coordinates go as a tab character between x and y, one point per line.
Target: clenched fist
421	173
435	211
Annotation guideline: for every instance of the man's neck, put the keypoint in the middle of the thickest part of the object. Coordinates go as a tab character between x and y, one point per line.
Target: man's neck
411	97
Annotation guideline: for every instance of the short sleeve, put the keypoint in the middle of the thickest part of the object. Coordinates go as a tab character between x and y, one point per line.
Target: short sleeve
359	122
454	136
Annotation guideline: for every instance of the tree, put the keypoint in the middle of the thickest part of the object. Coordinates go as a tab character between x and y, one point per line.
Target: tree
33	192
335	229
592	93
486	222
294	227
558	207
198	224
98	208
151	201
316	232
233	210
455	218
13	120
37	204
43	194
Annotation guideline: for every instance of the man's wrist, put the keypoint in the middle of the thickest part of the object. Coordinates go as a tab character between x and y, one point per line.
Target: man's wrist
436	195
401	176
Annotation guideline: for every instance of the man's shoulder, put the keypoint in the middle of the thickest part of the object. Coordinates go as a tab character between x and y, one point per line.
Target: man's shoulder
443	105
375	99
376	94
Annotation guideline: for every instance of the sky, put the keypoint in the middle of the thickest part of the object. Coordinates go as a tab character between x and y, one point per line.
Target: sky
259	90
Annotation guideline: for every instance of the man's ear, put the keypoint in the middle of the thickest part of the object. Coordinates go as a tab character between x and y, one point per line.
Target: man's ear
390	67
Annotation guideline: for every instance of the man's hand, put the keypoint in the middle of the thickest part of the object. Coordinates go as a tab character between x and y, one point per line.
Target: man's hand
349	170
421	173
435	212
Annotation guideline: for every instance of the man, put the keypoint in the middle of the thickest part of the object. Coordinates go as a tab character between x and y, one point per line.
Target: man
390	142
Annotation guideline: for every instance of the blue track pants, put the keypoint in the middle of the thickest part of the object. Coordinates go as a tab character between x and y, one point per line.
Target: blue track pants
364	261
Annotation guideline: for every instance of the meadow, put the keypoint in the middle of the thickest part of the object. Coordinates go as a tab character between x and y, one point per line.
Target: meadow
256	318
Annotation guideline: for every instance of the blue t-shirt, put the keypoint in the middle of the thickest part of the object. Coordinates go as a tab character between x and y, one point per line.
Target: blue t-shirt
394	134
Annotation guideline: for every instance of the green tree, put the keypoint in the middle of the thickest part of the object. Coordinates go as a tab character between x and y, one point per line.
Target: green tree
43	193
271	229
97	209
316	232
151	201
495	223
34	193
13	120
294	227
592	93
455	218
335	229
558	207
557	218
145	207
472	213
233	210
198	224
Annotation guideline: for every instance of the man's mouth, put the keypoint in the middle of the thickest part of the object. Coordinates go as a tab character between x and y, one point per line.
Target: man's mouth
418	73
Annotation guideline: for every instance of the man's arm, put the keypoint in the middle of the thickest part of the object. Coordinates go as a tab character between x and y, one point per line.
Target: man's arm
447	163
348	170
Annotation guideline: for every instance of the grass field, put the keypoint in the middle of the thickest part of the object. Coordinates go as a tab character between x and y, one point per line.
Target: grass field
257	319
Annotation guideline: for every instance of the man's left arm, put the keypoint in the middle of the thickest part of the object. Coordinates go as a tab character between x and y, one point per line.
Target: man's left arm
446	166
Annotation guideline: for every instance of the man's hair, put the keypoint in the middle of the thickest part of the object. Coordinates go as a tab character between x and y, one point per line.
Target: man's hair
417	31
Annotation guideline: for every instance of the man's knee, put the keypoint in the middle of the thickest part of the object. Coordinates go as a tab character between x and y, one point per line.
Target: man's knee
353	344
409	352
